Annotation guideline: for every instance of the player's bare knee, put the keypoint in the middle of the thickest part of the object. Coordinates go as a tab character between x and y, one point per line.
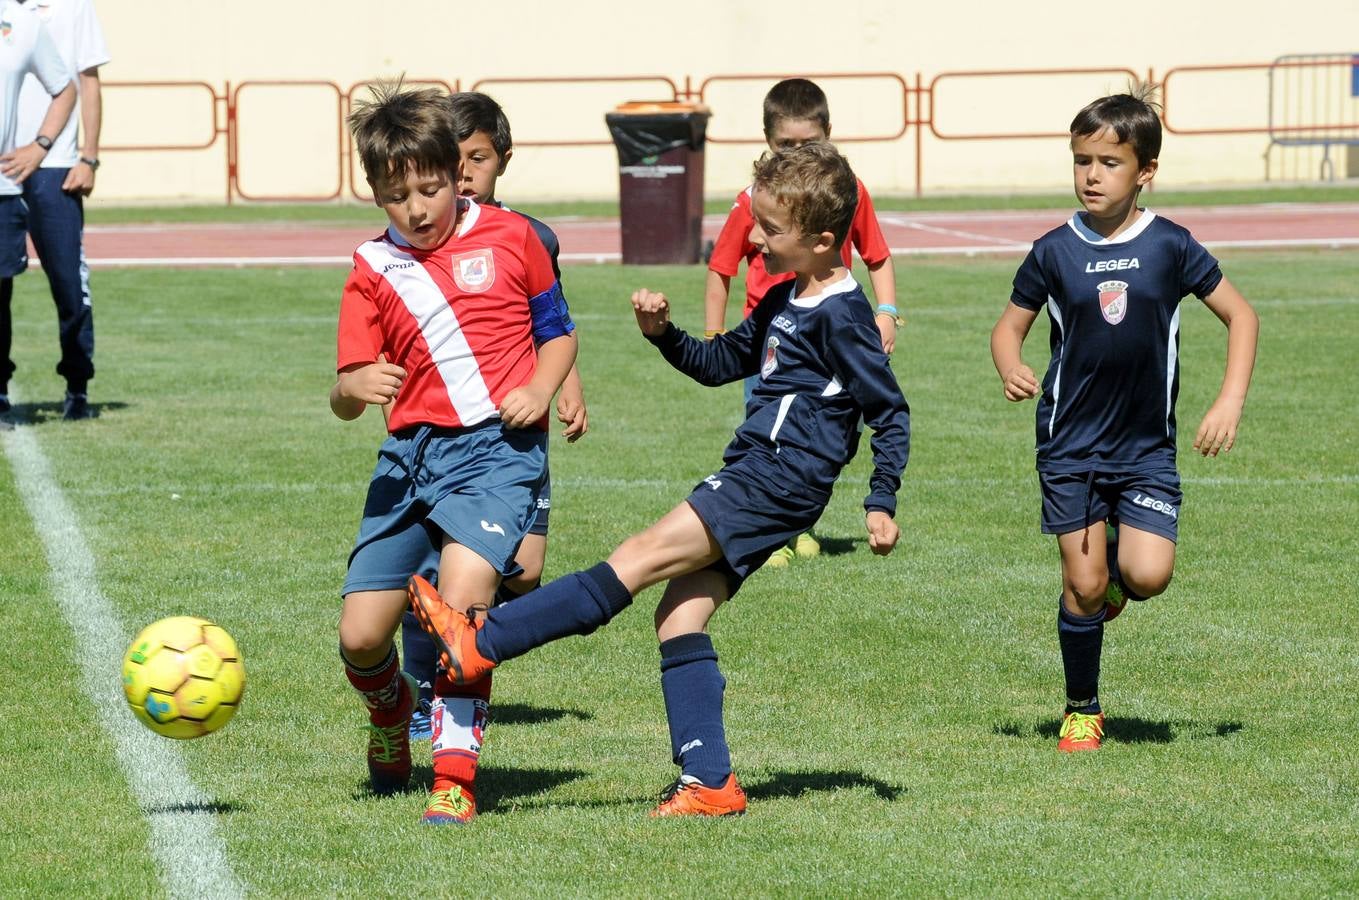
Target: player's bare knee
359	641
1146	582
1088	591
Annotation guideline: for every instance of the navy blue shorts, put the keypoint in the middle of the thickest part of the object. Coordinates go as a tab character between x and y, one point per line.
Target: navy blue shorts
1149	501
543	509
751	512
13	236
477	485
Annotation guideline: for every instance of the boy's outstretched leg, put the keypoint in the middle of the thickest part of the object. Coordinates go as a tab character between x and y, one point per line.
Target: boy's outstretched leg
693	688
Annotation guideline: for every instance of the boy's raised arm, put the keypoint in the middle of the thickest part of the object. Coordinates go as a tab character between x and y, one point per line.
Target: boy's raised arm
1217	431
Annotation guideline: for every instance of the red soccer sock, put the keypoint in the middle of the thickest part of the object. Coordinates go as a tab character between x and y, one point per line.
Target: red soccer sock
380	687
459	718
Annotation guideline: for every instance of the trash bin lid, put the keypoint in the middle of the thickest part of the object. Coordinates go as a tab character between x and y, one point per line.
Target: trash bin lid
651	107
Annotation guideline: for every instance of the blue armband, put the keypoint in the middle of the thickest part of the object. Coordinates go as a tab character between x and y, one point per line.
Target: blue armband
551	318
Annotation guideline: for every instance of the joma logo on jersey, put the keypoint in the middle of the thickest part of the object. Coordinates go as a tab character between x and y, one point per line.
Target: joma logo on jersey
1111	265
401	265
474	272
1141	499
784	324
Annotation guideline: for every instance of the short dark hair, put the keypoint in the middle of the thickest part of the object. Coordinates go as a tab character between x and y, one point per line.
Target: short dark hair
815	184
399	129
475	111
1133	116
795	98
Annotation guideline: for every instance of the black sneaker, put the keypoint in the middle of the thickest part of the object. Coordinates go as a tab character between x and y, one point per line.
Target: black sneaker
77	406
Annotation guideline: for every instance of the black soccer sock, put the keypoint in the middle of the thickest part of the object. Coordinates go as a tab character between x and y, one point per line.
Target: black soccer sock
1081	639
573	604
420	656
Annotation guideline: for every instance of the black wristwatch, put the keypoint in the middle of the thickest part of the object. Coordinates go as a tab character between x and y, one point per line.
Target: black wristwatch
43	141
92	163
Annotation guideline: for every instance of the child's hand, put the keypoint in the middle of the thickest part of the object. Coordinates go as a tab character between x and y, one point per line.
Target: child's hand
887	330
882	532
374	383
523	406
1217	431
652	310
571	412
1020	384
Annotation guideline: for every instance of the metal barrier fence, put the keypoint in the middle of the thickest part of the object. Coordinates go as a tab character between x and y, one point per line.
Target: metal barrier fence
1301	103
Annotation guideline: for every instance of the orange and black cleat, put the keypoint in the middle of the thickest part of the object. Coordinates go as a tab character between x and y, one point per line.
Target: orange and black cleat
454	633
690	797
1081	731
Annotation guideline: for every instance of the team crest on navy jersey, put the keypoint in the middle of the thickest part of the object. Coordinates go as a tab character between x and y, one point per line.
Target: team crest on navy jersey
771	357
474	272
1113	301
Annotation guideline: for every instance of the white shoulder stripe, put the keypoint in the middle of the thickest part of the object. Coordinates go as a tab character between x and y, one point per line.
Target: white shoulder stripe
439	325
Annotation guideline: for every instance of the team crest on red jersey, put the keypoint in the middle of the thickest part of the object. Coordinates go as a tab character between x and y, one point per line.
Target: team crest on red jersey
474	272
1113	301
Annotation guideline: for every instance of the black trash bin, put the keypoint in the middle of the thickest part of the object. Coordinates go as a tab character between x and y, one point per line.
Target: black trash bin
660	179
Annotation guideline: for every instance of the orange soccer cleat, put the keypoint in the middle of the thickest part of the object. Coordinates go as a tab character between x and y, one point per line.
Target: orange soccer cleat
1081	731
690	797
454	633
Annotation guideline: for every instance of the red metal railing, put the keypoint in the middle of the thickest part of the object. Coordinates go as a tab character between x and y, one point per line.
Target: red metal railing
913	105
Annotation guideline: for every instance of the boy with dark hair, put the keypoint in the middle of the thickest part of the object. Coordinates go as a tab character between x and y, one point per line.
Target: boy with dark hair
485	147
454	320
796	112
1113	278
821	368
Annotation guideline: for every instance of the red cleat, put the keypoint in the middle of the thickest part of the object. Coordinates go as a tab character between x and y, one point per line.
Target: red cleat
389	746
690	797
453	805
454	633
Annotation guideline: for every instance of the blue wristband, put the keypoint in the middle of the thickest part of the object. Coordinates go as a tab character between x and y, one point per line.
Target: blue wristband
886	309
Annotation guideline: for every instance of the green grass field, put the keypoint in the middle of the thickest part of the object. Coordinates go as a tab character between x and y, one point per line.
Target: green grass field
894	720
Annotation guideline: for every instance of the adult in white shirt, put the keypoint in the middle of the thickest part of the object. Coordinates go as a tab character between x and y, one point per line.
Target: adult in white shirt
54	193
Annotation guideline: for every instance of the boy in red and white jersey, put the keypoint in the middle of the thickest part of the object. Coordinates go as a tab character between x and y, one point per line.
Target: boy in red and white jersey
454	320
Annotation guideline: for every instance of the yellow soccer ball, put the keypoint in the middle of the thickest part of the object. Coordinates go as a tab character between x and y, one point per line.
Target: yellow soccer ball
183	677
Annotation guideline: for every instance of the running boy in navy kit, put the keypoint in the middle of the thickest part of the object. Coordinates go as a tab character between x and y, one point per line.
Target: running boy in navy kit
453	319
1113	278
485	147
821	366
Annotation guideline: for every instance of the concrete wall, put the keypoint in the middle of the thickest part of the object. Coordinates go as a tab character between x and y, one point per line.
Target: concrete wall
289	135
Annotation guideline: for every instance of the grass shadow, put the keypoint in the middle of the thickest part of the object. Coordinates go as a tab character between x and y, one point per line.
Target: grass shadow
41	413
796	784
523	714
502	787
212	807
837	546
1127	729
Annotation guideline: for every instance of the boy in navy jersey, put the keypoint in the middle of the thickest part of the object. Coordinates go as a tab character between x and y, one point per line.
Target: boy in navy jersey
821	366
1112	278
485	147
795	112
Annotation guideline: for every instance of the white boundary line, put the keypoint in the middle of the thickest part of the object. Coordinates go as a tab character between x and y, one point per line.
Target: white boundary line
184	838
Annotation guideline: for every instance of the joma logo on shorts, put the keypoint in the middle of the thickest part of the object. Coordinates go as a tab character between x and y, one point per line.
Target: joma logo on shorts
1112	265
1141	499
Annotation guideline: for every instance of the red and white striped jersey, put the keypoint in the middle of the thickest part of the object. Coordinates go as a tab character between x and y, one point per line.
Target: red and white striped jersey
733	245
456	318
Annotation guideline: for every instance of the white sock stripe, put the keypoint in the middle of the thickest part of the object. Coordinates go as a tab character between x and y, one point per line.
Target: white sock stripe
184	838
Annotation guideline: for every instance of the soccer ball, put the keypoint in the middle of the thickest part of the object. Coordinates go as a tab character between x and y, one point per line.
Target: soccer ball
183	677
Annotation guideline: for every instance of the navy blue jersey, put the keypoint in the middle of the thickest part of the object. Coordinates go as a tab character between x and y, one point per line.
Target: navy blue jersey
821	367
1109	394
545	234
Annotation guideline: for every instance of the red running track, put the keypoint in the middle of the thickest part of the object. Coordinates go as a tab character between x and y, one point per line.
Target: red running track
597	240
